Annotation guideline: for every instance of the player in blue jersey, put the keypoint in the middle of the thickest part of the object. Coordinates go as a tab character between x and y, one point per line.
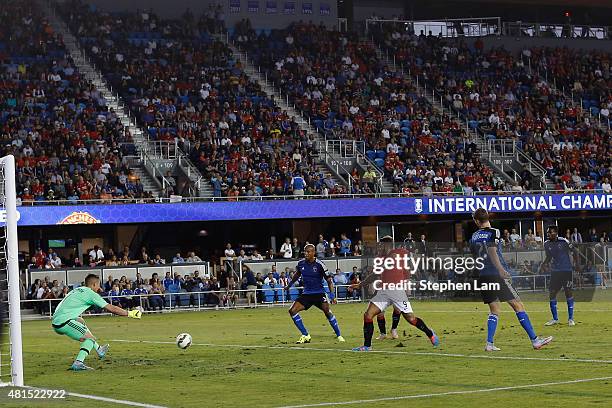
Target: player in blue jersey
313	273
486	244
560	262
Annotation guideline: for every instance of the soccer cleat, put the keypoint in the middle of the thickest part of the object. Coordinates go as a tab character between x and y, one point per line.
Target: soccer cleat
491	347
540	342
79	366
571	322
381	336
102	350
362	348
303	339
394	334
435	340
341	339
551	322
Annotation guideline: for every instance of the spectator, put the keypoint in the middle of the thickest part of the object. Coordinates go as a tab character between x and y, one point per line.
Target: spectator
530	240
345	245
178	259
576	237
242	257
193	258
270	280
168	281
593	235
340	278
112	261
256	256
296	248
142	299
156	299
251	283
321	247
286	250
515	239
283	280
96	255
56	261
354	289
115	295
229	256
108	285
215	295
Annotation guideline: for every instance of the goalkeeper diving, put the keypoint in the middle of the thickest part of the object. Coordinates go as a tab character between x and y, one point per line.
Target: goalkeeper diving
67	321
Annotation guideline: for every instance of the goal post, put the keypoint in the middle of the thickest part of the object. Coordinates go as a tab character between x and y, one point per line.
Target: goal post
8	202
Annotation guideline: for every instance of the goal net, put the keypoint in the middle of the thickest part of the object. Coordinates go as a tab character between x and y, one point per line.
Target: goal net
11	363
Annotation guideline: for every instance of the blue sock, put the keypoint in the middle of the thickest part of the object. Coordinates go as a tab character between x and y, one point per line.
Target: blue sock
553	309
491	327
570	308
299	324
526	323
334	324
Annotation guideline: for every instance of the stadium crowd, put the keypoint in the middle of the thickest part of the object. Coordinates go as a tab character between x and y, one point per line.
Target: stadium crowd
67	144
543	98
348	92
185	86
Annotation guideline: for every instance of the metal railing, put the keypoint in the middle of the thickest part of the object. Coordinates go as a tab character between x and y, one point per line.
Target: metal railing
345	148
191	171
453	27
559	30
74	276
340	170
158	176
366	164
161	149
192	300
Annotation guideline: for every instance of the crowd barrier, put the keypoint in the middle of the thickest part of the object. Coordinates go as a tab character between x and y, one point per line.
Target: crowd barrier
75	276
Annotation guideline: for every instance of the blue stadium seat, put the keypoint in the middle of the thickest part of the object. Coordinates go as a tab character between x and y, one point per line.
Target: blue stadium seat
293	293
268	293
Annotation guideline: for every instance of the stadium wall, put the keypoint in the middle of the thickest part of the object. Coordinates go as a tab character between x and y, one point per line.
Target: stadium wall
261	13
386	9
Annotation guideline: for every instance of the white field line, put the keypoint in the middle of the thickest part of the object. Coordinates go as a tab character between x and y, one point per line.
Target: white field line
415	353
103	399
440	394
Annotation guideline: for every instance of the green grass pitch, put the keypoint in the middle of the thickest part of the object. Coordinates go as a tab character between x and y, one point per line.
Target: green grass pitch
263	369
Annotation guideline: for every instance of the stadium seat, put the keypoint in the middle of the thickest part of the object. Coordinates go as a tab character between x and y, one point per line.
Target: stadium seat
268	293
293	293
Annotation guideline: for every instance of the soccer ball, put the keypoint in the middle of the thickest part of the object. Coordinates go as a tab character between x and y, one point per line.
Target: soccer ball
183	340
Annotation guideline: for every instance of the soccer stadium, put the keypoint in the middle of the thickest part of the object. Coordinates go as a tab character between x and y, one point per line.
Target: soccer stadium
305	203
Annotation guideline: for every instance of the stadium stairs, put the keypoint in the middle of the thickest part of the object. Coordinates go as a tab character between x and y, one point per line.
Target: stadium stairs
507	164
145	151
340	176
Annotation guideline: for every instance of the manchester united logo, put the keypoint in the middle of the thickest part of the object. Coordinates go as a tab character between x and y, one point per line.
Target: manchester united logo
79	217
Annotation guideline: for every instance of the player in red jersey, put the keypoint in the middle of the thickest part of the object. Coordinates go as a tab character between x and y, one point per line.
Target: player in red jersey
390	292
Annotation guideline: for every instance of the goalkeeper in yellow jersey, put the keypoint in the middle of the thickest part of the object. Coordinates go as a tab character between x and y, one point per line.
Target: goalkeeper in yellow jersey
67	320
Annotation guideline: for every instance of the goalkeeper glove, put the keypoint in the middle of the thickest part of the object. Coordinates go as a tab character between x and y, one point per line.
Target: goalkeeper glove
135	314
